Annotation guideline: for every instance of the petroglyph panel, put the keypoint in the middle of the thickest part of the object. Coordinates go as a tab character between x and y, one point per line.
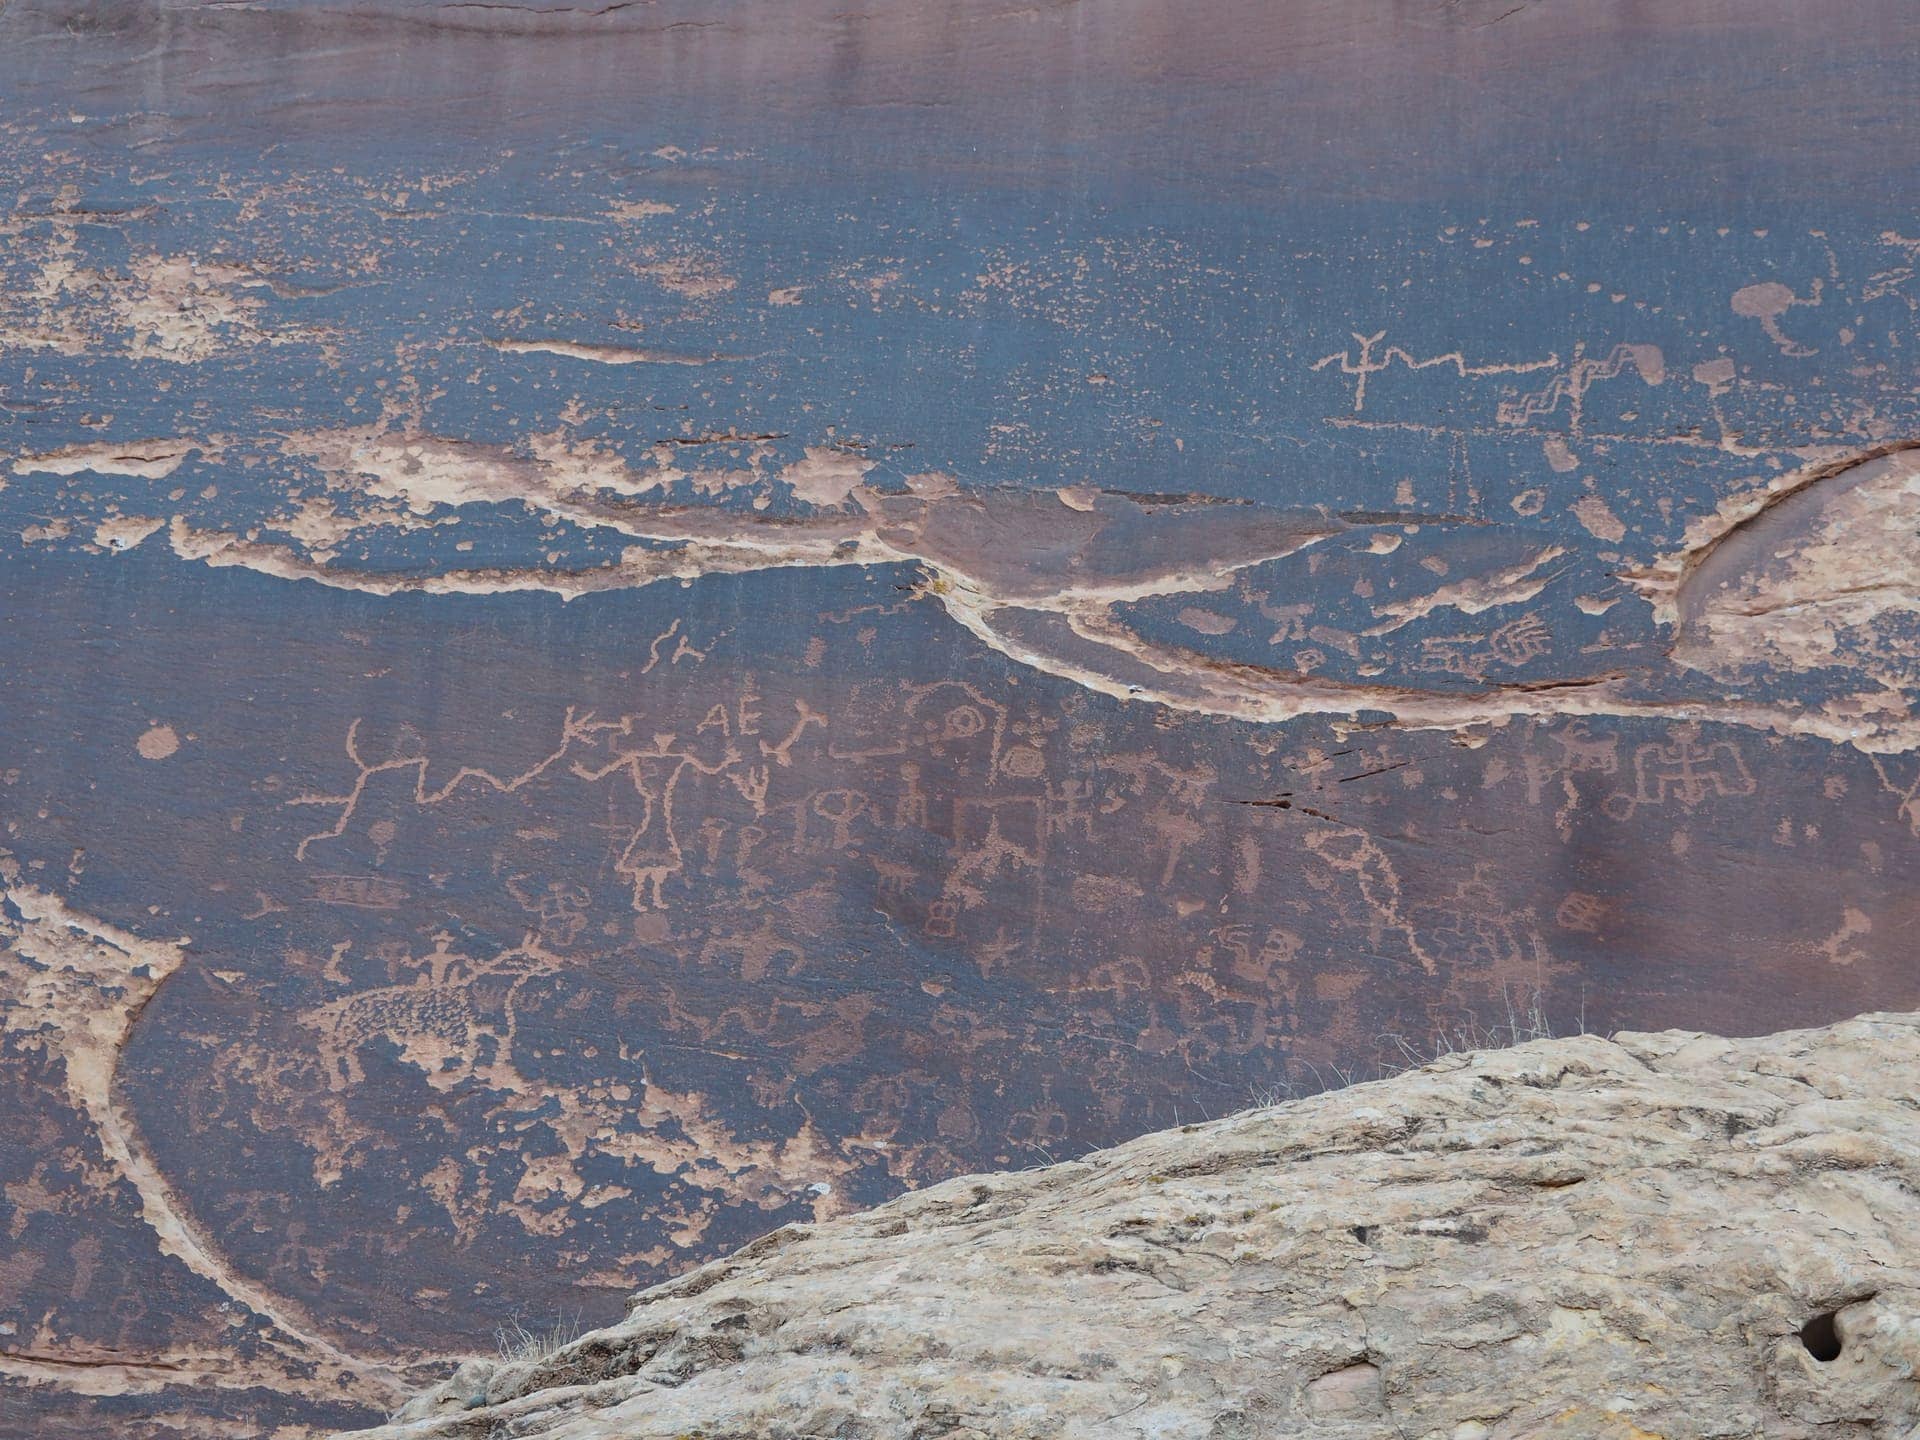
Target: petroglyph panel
623	628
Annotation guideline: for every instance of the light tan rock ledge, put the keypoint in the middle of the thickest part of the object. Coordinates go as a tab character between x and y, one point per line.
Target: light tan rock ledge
1666	1235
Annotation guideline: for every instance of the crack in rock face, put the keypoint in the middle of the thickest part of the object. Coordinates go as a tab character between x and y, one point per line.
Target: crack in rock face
1810	575
1658	1234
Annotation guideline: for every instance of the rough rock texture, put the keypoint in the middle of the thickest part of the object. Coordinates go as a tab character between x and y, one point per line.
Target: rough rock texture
625	623
1661	1235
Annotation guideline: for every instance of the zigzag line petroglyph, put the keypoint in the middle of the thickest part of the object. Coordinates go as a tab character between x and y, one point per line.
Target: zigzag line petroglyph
1581	375
1363	366
574	727
652	852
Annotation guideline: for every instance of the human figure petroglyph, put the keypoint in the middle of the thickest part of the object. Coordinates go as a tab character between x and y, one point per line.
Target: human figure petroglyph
910	806
840	808
1362	364
677	950
991	955
649	850
653	853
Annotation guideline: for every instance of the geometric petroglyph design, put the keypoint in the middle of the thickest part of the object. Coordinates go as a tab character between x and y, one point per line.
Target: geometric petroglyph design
1684	771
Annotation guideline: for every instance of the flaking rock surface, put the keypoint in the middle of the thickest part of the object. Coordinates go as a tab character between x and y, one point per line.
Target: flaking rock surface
1658	1235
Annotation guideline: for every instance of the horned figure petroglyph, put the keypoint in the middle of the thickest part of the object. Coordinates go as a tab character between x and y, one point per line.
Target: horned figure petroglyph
454	1020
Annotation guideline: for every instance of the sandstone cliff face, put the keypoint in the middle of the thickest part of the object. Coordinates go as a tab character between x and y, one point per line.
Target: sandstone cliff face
624	624
1661	1235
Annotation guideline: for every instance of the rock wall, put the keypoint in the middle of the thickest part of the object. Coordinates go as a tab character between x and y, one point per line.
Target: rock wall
626	625
1655	1235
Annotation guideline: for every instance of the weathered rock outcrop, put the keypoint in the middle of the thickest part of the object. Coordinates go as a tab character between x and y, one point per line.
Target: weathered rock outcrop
1657	1235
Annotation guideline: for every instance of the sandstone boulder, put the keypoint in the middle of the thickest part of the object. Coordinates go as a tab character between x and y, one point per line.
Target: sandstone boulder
1658	1235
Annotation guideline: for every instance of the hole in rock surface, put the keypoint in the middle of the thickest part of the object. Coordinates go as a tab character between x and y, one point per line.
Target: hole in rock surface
1821	1337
